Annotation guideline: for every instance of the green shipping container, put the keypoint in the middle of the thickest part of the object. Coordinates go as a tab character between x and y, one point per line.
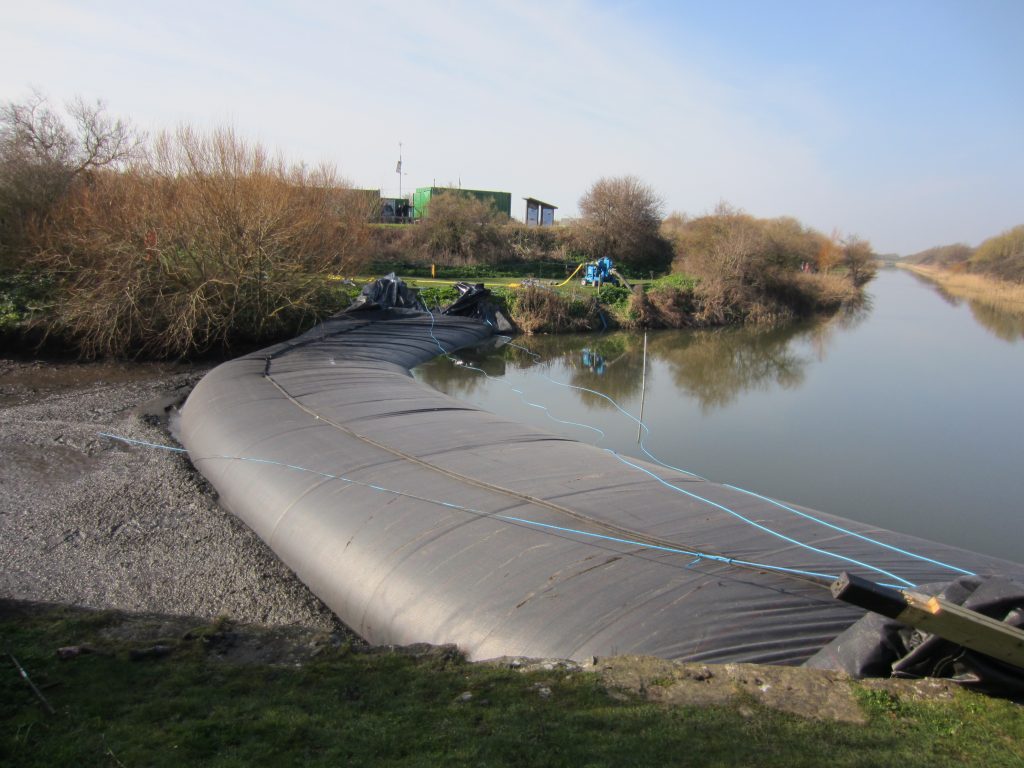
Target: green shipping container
502	201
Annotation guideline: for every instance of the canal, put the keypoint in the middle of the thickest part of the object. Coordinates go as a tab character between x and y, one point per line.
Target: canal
906	414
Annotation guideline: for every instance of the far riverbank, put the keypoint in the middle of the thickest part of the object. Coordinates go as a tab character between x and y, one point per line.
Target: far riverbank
1001	295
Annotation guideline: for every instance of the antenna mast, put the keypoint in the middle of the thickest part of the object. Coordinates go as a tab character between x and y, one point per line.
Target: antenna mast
398	170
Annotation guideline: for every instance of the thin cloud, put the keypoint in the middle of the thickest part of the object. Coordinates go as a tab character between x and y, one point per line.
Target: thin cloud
536	100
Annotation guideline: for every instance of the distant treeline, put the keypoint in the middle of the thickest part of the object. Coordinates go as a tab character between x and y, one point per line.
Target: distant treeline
1001	256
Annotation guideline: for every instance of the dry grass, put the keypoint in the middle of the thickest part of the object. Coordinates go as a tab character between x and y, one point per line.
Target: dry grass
542	310
999	294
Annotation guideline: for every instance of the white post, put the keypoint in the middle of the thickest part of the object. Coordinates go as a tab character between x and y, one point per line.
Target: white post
643	392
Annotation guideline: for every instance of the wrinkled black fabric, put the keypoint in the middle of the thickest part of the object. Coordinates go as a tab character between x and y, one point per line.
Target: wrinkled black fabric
475	301
470	297
386	293
880	647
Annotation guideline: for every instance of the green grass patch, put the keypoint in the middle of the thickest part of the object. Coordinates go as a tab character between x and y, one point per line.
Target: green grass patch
348	708
23	295
547	270
676	280
438	295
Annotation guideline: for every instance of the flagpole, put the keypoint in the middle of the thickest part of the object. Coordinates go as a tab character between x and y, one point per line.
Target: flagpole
399	169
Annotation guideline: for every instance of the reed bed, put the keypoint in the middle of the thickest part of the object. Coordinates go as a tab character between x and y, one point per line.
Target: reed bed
1002	295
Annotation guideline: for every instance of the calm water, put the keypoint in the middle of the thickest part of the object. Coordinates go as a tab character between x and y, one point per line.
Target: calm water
908	415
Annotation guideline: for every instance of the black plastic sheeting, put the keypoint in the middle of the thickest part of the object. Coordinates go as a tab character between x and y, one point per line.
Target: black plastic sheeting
880	647
475	301
386	292
416	566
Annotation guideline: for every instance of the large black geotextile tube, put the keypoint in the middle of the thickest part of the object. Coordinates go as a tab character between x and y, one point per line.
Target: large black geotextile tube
340	401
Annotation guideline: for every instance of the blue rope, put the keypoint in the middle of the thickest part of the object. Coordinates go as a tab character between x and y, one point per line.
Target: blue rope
674	550
507	518
758	525
643	427
848	532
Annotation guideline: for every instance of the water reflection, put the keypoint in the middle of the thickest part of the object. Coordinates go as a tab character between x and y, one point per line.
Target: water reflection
592	360
713	367
716	367
1004	325
447	376
608	363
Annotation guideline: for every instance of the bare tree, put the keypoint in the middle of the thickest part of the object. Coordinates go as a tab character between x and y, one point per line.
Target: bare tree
620	216
42	154
859	260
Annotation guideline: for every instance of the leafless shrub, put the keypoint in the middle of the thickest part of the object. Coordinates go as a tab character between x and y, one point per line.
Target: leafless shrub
643	312
673	307
1001	257
460	229
763	271
859	260
42	153
948	256
542	310
207	242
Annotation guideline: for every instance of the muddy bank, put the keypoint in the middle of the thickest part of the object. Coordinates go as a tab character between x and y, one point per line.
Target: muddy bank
87	521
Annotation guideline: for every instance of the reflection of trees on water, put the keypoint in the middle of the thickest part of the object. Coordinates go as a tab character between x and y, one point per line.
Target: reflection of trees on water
618	376
1006	326
945	295
1003	325
715	367
819	333
444	375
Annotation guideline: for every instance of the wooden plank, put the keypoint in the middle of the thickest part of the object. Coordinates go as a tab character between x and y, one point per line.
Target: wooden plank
965	627
936	616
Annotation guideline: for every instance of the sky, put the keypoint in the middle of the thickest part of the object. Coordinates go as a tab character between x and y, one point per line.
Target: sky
901	121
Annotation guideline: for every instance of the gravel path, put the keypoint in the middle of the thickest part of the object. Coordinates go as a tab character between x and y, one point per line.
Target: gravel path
87	521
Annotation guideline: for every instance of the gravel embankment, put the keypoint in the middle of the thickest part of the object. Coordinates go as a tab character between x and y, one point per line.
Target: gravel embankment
88	521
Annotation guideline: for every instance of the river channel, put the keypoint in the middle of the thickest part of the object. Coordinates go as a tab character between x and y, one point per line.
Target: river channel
907	414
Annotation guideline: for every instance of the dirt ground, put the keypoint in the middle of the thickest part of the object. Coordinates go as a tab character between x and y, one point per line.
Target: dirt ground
91	522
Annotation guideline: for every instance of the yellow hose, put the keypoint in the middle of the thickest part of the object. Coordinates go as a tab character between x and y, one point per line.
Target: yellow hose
570	277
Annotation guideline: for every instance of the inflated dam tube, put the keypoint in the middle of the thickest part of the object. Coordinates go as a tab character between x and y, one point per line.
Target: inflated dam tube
419	518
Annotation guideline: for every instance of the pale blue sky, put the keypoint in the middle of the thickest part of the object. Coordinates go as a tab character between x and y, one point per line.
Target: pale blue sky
901	122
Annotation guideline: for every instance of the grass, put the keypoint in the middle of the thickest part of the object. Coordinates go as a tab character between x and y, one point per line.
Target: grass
540	269
998	294
347	708
533	309
672	301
